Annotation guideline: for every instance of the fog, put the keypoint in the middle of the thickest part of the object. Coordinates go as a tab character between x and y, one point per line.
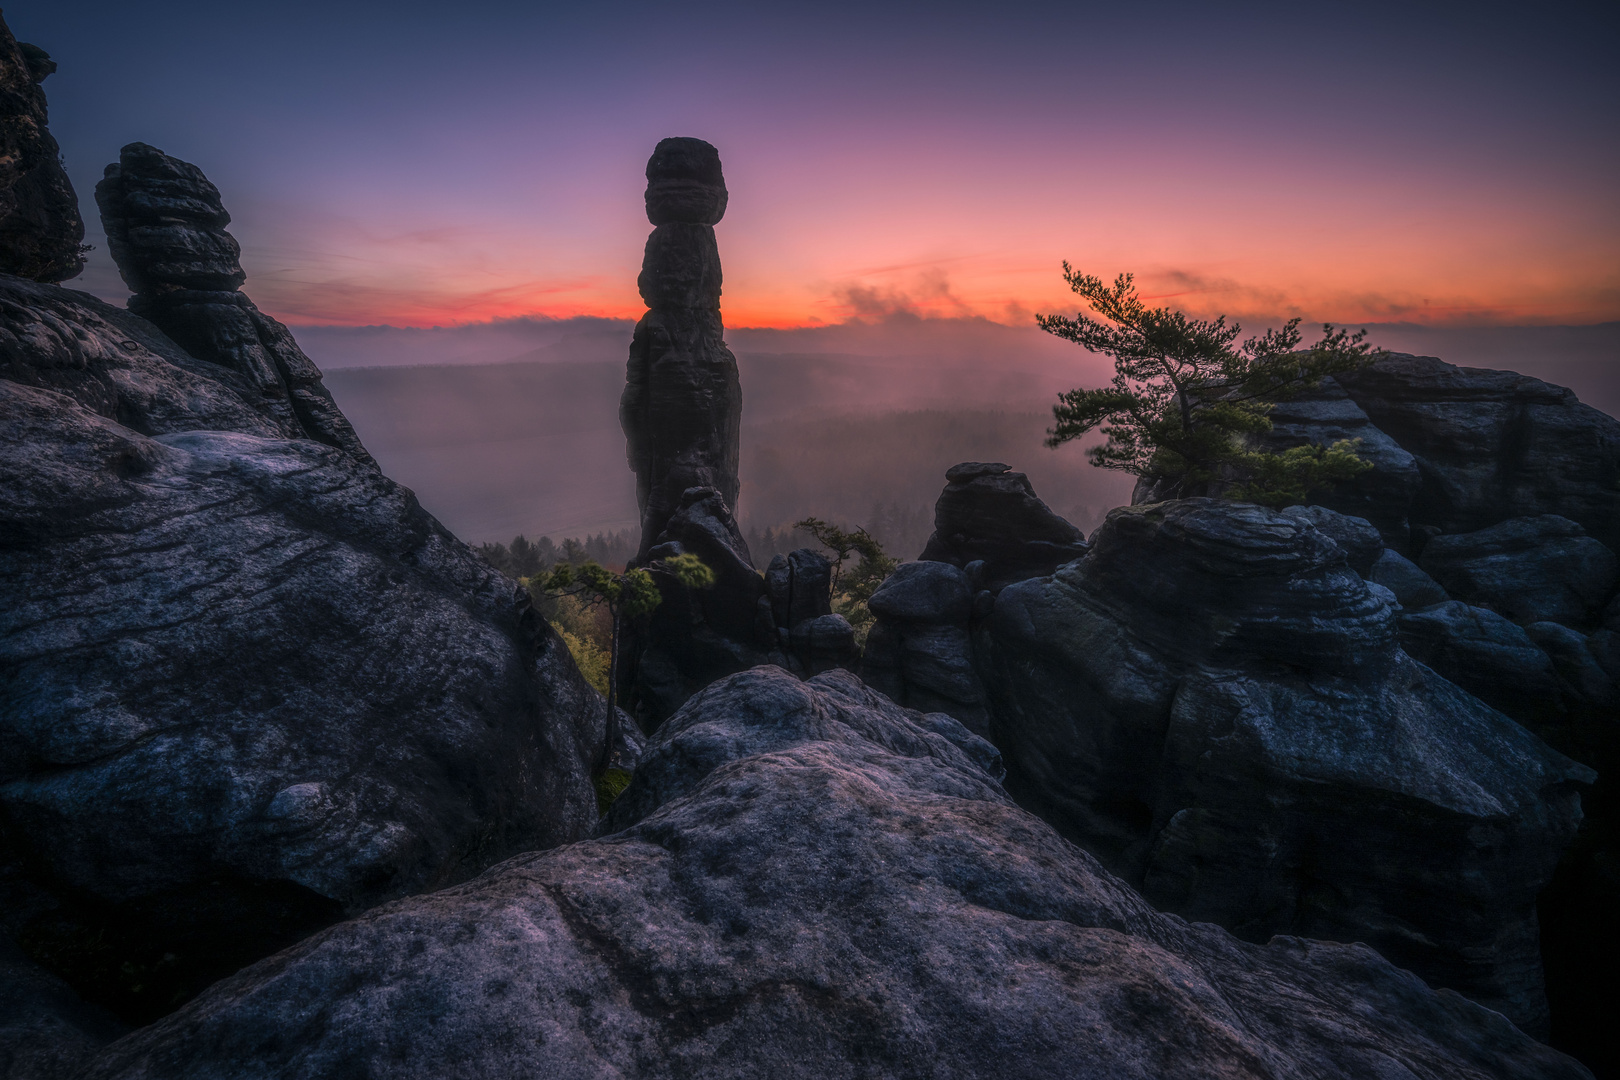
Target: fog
512	427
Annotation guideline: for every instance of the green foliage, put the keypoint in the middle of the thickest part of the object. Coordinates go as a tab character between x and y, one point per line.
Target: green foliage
609	786
590	657
1289	477
852	591
1184	400
689	570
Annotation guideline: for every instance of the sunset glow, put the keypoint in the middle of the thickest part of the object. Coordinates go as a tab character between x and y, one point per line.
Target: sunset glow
944	167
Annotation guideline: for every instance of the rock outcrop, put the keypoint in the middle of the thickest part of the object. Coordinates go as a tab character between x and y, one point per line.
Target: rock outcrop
165	225
682	416
41	232
1460	449
989	522
46	1031
920	651
1532	569
810	636
812	882
1217	705
251	687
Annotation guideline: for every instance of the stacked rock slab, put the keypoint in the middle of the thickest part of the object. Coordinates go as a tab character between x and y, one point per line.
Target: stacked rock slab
165	226
1458	449
681	412
989	522
1217	705
812	882
250	686
40	228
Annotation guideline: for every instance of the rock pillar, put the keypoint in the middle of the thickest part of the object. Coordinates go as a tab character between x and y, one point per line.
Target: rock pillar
682	416
40	227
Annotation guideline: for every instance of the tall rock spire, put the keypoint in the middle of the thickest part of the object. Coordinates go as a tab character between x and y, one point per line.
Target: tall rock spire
682	415
165	225
682	405
40	227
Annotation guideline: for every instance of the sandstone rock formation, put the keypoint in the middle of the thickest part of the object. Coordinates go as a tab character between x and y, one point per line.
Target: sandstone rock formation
46	1032
682	405
1217	705
810	636
250	685
165	225
919	651
812	882
1460	449
1530	569
682	414
990	515
41	232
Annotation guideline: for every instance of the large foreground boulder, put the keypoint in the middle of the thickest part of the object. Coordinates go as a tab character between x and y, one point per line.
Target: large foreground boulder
1216	704
250	685
812	882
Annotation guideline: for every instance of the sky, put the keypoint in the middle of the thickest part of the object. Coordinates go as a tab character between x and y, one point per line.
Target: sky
419	165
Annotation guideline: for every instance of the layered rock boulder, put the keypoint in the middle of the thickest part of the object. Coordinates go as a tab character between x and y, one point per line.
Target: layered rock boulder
1459	449
919	650
251	686
813	882
41	232
1217	705
989	521
165	226
1530	569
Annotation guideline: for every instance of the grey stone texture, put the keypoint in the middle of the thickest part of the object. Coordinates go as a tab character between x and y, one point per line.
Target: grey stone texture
809	881
41	232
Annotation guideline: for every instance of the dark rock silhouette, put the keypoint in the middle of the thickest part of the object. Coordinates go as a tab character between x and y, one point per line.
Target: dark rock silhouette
1217	705
990	515
682	414
46	1031
250	686
919	651
165	225
799	593
682	404
41	232
812	882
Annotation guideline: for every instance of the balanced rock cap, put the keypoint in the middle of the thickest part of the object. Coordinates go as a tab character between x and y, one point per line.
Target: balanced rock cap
685	184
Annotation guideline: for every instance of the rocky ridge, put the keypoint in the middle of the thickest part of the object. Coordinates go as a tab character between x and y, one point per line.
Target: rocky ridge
809	881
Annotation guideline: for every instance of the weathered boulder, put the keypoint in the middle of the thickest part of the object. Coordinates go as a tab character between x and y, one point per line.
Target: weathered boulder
919	651
1576	663
685	183
1531	569
165	226
1216	705
41	232
812	882
250	685
800	587
1486	655
1413	588
990	515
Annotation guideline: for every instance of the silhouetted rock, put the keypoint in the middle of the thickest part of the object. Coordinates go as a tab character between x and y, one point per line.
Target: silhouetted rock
990	515
41	232
165	226
1574	661
696	636
250	685
1217	705
1413	588
812	882
46	1032
800	586
1530	569
919	651
682	404
682	415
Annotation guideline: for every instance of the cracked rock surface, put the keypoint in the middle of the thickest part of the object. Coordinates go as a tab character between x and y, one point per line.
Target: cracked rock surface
250	685
813	882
